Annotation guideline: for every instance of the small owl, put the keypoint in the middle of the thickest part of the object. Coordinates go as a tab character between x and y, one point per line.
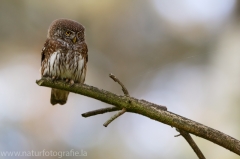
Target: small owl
64	56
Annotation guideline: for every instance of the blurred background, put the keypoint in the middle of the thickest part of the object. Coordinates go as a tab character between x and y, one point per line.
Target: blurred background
184	55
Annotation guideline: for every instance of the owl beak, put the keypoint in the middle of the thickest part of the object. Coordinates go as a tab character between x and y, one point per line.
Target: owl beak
74	39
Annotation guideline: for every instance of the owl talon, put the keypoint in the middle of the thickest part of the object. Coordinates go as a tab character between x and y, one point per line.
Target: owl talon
53	78
71	83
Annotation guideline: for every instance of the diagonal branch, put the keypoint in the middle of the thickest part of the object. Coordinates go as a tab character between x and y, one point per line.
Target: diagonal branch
115	117
191	142
150	110
124	89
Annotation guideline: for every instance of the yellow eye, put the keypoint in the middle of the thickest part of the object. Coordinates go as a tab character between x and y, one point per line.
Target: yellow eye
68	33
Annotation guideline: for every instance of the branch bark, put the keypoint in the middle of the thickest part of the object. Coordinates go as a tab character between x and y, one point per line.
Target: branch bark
153	111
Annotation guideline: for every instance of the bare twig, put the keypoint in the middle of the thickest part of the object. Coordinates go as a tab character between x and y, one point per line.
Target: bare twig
111	109
177	135
153	111
105	110
191	142
100	111
124	89
114	117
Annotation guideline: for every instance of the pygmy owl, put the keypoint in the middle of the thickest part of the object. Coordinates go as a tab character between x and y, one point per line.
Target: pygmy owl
64	56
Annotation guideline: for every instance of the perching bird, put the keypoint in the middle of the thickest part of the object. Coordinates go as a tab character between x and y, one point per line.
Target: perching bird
64	56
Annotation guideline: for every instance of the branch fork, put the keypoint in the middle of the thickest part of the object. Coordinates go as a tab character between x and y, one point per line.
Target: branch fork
105	110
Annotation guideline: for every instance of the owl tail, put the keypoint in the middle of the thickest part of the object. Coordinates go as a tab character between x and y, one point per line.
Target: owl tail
59	96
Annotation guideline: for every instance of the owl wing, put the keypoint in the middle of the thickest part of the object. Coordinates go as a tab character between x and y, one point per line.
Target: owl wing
43	56
84	51
50	46
43	53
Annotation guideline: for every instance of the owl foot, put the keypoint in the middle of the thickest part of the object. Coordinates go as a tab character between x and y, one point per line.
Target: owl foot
71	82
53	78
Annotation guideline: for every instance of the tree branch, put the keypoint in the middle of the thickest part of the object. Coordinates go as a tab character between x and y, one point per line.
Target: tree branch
100	111
115	117
150	110
191	142
125	91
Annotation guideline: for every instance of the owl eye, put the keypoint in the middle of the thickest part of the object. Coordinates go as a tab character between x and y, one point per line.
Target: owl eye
68	33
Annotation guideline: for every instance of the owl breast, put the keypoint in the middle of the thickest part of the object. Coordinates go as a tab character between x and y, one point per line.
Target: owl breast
70	65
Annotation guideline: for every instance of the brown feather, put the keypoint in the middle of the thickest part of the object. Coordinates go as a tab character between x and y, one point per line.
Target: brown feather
63	59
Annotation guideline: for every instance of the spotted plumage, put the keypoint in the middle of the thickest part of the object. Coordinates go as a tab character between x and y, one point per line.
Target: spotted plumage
64	56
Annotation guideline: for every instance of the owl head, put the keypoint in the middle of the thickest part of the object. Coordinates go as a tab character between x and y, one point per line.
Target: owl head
67	30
